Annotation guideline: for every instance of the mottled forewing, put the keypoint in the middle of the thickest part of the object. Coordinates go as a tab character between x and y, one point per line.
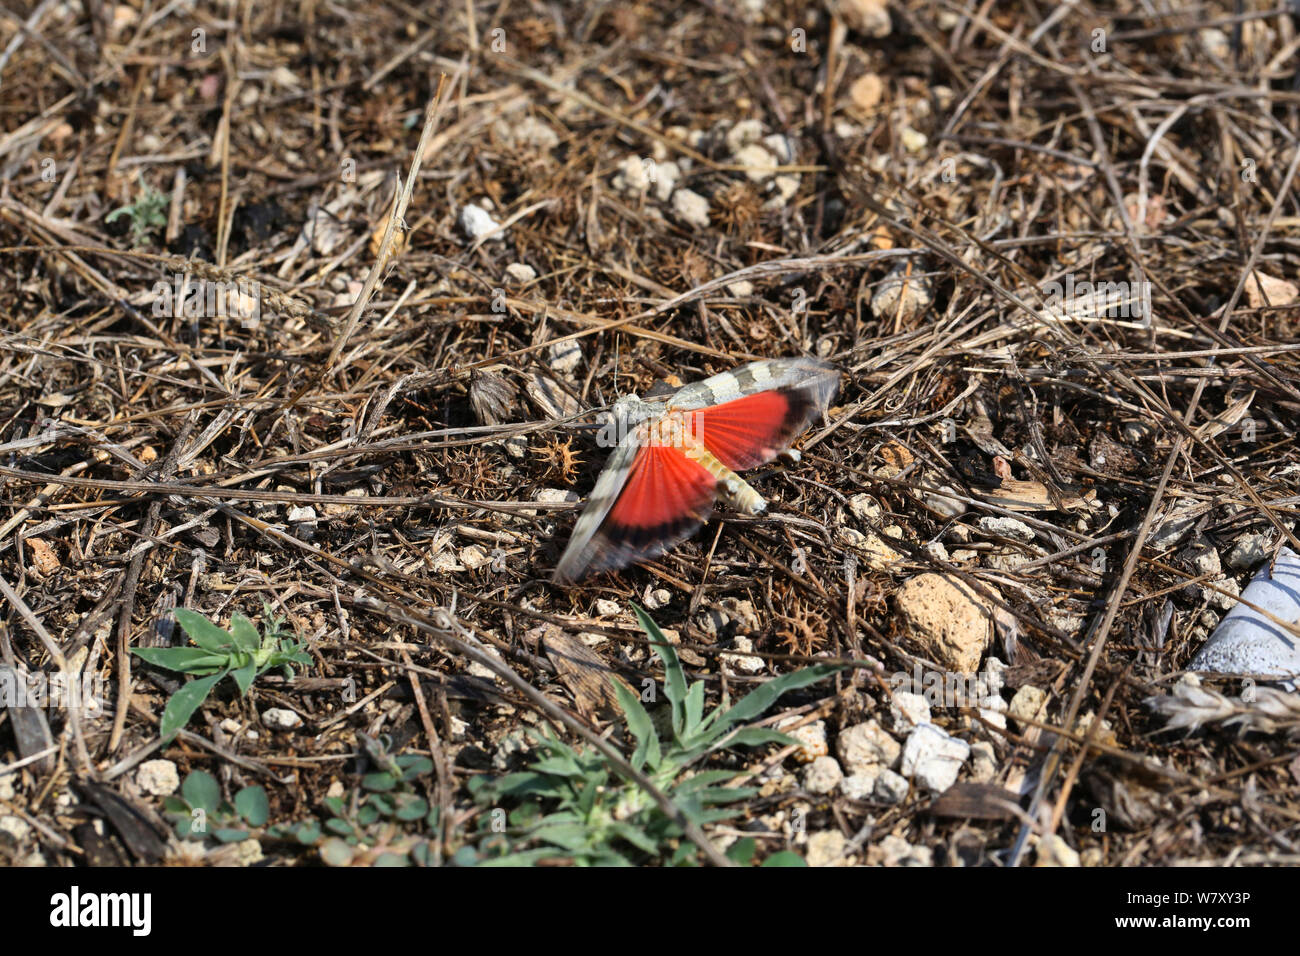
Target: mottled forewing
815	379
581	548
649	498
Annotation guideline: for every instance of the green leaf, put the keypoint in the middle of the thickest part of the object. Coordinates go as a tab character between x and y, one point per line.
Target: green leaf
635	836
185	702
391	859
335	852
244	677
252	805
244	633
785	858
201	791
521	784
742	851
466	856
307	833
524	816
753	704
410	807
705	778
558	817
202	631
229	835
382	781
640	724
413	765
591	789
704	817
694	707
685	855
558	766
756	736
713	796
570	836
187	660
674	676
341	827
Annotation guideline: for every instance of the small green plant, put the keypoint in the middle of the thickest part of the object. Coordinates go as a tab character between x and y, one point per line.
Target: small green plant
595	817
199	812
240	652
372	830
147	214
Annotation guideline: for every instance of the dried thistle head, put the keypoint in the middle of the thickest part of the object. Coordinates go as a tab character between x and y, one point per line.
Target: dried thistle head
534	33
382	115
803	630
623	22
737	207
561	459
472	469
692	268
491	395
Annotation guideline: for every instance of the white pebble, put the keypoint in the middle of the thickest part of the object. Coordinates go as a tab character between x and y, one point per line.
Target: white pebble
302	515
476	223
744	134
1248	551
280	718
565	356
908	710
932	758
519	273
666	177
759	162
822	775
691	208
1007	528
158	777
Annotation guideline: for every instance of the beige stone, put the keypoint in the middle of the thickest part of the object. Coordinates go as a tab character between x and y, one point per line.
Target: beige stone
952	621
866	91
870	17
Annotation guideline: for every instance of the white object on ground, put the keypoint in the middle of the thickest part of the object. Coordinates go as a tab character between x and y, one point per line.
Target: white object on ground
1247	642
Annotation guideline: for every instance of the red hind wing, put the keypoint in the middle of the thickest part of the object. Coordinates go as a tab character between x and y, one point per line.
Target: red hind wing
665	498
750	431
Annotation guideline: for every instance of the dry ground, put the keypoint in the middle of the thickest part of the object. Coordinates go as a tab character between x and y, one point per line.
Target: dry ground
402	484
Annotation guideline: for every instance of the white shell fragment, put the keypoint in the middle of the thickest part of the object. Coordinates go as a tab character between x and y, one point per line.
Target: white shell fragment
1247	642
